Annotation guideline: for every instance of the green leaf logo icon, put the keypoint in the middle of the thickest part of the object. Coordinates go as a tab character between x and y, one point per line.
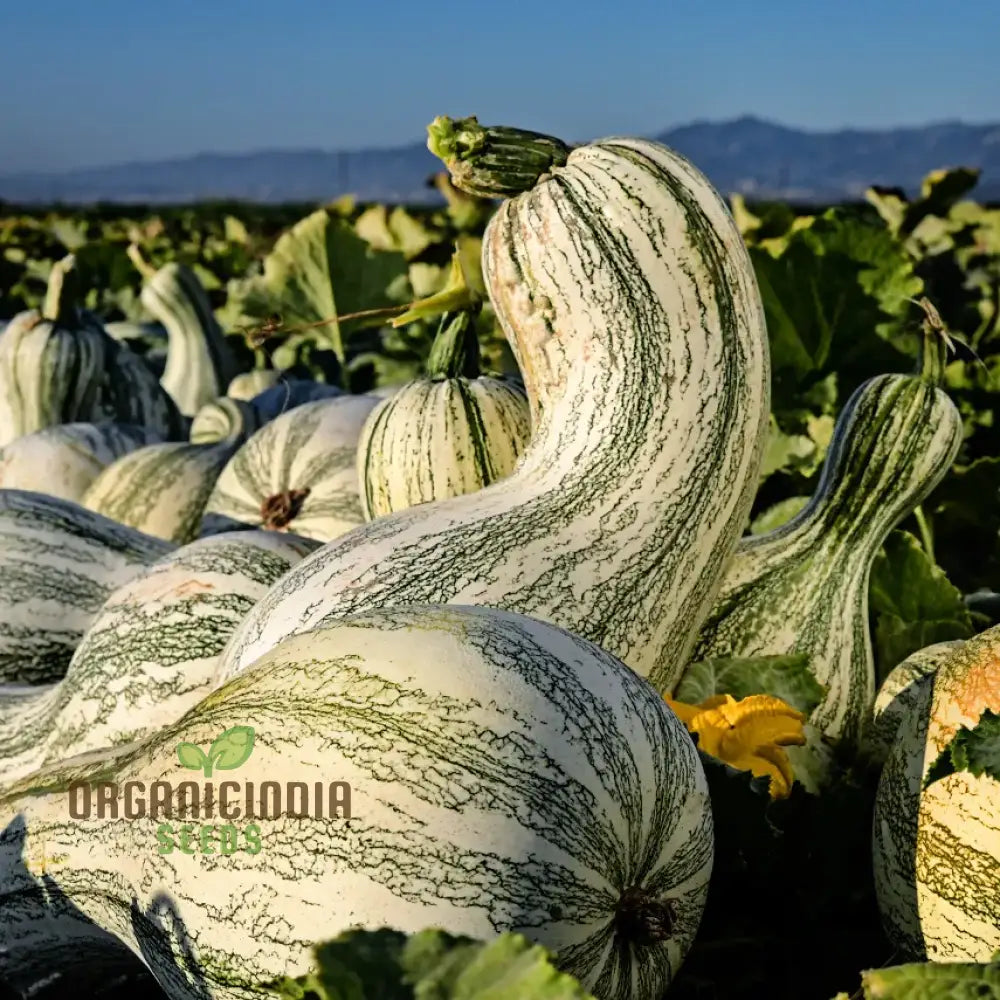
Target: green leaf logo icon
227	752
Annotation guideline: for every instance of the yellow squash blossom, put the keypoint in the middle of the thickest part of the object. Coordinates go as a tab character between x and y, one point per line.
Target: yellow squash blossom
748	734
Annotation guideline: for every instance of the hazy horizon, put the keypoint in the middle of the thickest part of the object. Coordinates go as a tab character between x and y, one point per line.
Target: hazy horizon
119	83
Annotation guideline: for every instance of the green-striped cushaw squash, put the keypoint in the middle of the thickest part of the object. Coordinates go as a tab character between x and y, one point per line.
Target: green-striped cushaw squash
503	775
58	564
58	366
149	340
297	473
161	489
630	303
199	364
451	432
936	849
225	419
803	588
246	385
64	460
897	693
149	654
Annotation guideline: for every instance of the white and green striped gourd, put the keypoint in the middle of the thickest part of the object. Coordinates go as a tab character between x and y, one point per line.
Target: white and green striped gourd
449	433
65	459
297	473
150	653
503	775
225	419
630	303
59	366
246	385
936	849
161	489
803	588
58	564
200	364
897	694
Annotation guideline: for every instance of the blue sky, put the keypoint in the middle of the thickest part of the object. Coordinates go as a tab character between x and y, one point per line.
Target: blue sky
107	81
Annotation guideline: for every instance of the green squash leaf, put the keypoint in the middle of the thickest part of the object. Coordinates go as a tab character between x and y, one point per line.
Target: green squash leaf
784	677
933	981
431	965
976	750
192	756
776	515
232	748
913	603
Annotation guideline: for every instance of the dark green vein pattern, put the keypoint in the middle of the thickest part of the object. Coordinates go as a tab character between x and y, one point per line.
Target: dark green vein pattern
58	564
151	651
504	775
311	447
630	302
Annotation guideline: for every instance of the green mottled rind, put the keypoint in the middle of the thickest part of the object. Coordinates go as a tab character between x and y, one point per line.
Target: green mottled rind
897	694
440	438
312	447
58	564
161	489
505	775
199	363
150	653
803	588
628	298
64	460
53	375
224	419
936	851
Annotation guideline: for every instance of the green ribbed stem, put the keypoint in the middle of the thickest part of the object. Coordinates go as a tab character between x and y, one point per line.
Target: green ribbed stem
933	355
455	351
62	292
493	161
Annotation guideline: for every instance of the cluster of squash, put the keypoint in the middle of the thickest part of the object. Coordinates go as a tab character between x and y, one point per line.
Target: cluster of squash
466	602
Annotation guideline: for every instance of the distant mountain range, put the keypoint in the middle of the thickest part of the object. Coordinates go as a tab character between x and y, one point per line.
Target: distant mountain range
756	158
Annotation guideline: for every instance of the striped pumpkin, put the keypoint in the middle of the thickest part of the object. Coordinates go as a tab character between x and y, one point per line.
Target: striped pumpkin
297	473
150	653
160	489
504	775
58	564
936	850
629	300
452	432
58	366
803	588
199	363
64	460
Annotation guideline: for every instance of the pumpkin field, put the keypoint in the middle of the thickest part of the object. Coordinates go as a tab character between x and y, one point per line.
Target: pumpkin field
584	585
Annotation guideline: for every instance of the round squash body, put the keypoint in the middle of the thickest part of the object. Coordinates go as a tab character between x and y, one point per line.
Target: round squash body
503	775
297	473
64	460
150	652
160	489
58	564
630	303
51	374
440	438
803	588
937	848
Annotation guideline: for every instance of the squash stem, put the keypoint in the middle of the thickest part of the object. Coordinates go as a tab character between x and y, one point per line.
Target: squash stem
61	293
455	351
493	161
141	264
934	346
